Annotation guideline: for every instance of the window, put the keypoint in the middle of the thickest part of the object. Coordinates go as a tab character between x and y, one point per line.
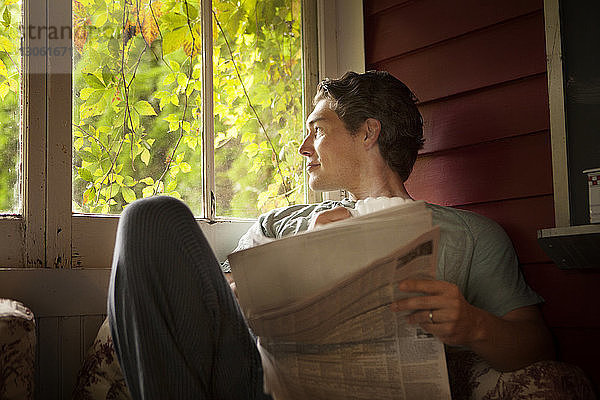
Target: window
121	102
138	105
10	83
85	131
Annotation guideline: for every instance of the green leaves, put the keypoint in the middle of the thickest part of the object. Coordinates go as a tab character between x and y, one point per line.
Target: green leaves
107	75
138	114
10	79
264	39
174	39
86	175
93	81
6	17
6	44
145	156
128	194
185	167
144	108
87	156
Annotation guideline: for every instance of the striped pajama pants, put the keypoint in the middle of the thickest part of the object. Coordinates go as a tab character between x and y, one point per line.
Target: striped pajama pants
177	328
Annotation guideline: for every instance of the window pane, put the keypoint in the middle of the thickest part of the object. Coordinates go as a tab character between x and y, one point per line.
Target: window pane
258	113
136	103
10	100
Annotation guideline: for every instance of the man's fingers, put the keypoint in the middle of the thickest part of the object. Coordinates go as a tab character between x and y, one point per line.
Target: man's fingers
428	286
422	317
418	303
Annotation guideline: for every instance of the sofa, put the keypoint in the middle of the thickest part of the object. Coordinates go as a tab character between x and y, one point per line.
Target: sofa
17	351
470	377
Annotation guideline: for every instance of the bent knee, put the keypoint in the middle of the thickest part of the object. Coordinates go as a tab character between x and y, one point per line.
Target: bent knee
151	222
156	208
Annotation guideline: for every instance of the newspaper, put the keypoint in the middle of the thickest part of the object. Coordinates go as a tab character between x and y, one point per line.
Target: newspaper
325	327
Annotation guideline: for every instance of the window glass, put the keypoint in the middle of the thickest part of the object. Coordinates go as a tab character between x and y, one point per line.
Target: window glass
258	105
136	103
137	118
10	100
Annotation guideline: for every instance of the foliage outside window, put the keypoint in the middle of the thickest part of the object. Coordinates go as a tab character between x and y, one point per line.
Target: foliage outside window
10	83
137	104
258	105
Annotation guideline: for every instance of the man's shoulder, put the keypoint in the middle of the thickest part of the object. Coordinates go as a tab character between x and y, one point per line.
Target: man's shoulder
465	222
300	209
458	217
293	219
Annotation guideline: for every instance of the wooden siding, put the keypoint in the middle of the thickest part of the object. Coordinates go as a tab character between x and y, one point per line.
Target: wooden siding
491	171
65	328
479	71
512	109
402	28
571	296
62	345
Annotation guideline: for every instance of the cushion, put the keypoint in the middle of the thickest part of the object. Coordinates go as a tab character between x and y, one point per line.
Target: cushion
472	378
17	351
100	376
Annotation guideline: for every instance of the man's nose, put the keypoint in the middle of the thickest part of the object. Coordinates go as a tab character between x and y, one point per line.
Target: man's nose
306	148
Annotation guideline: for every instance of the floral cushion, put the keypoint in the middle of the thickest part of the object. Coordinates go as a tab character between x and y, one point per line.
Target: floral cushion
17	351
100	376
470	377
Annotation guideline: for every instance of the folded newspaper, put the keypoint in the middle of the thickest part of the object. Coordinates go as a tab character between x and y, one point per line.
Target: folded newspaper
319	303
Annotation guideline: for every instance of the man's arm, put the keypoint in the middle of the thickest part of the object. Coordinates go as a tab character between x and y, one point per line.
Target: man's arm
329	216
254	235
510	342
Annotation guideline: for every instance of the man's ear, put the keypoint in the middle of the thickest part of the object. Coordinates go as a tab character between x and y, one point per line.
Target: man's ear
372	128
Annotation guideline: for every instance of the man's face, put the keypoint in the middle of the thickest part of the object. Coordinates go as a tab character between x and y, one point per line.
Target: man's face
332	152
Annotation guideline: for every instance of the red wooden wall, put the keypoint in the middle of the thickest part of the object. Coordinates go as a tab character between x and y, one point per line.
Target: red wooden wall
479	71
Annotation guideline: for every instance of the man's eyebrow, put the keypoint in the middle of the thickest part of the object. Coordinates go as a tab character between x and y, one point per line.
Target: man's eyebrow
312	121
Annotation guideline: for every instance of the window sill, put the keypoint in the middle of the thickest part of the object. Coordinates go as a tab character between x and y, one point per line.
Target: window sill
572	247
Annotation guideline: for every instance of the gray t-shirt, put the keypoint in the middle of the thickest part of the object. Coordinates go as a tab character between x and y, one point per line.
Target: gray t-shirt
474	252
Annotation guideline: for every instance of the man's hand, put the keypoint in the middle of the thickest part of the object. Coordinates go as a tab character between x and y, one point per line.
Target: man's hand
512	341
326	217
455	321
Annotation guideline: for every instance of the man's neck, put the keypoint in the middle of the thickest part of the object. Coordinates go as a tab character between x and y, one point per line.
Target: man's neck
382	185
375	178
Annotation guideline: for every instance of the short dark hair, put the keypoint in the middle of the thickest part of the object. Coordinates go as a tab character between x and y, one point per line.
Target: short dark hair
377	94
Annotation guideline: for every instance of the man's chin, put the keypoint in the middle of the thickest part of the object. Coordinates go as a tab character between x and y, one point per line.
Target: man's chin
319	185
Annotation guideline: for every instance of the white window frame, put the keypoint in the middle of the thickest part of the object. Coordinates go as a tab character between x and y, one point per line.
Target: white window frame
48	234
558	131
341	46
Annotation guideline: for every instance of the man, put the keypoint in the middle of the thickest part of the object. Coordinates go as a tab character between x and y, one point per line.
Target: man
177	328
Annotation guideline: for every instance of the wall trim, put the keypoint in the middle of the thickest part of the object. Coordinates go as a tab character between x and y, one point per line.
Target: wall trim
57	292
558	132
341	46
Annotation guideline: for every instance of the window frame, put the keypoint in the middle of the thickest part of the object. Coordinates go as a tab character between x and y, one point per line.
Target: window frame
340	46
47	234
558	130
